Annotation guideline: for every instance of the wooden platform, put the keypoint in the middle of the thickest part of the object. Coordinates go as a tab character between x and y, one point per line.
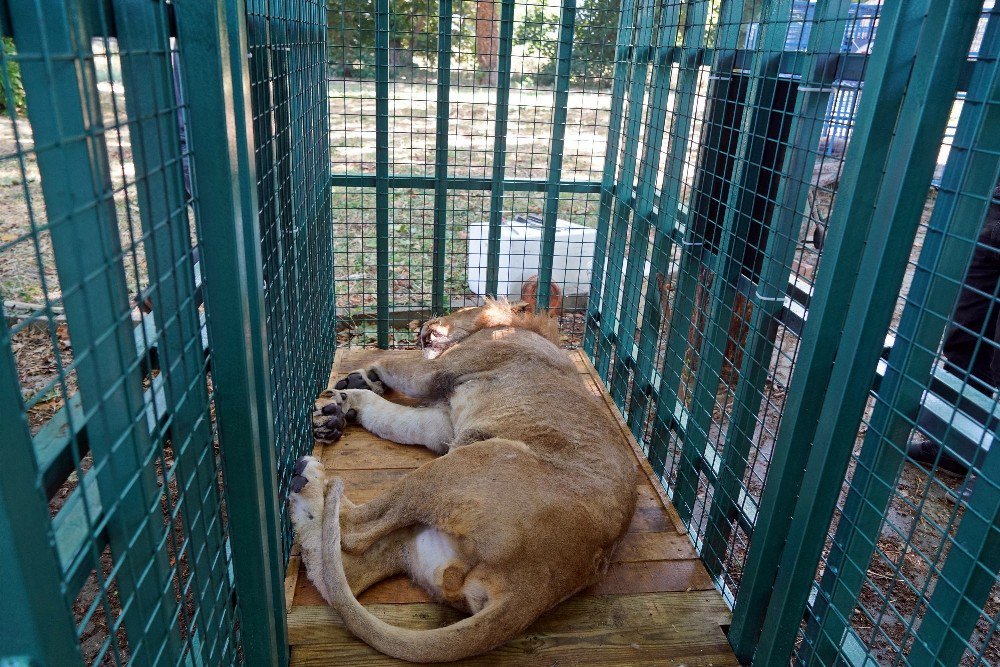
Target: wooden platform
656	606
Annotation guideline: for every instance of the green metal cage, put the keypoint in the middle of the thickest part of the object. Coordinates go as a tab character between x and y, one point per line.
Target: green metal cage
759	218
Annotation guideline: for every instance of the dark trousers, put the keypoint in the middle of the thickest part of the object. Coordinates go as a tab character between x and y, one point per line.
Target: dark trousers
971	343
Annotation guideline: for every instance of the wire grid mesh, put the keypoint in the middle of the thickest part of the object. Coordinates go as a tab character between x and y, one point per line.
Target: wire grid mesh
288	56
909	574
103	330
731	151
729	128
461	131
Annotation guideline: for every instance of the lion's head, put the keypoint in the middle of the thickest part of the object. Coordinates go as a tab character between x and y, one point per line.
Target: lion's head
441	333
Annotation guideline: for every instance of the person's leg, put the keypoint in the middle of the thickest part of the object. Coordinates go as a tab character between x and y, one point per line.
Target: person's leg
971	342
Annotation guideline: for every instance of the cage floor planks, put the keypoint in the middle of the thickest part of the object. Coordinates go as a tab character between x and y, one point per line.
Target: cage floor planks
656	606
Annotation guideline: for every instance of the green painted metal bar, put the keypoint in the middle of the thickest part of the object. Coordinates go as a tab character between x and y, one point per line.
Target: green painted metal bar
564	56
213	55
888	75
76	183
662	58
767	301
441	156
382	28
623	47
940	53
667	42
622	190
723	111
723	115
143	38
416	182
38	622
498	184
760	148
958	214
968	575
694	36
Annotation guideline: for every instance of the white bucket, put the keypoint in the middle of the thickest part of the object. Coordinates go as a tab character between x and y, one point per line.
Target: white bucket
520	250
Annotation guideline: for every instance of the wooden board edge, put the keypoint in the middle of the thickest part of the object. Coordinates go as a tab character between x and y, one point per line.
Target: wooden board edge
291	581
640	456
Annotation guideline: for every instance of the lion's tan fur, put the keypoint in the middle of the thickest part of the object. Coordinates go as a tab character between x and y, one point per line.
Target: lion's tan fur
535	491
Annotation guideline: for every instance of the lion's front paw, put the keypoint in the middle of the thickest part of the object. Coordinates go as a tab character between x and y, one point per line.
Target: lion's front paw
362	379
331	414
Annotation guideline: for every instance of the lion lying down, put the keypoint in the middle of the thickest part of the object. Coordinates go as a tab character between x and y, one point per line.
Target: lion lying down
534	490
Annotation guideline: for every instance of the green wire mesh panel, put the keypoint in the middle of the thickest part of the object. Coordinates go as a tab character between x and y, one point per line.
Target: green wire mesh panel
467	148
107	398
910	570
733	126
287	51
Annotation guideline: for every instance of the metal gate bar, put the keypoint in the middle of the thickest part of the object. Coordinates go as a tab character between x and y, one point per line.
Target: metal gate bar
936	283
882	261
767	299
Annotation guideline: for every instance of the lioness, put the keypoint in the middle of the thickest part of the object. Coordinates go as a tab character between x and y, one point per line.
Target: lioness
535	488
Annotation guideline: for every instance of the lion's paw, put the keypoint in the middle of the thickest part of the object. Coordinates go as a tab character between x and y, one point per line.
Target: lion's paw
362	379
308	487
334	409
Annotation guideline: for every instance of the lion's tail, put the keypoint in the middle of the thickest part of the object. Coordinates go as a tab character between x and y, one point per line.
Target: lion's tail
495	624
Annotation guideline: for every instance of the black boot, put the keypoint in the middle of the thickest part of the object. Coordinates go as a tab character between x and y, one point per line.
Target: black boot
930	454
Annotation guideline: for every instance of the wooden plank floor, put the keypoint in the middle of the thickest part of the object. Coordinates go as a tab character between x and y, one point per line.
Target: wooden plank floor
656	606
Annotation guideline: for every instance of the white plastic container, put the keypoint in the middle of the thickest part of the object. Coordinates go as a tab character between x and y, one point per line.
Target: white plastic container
520	250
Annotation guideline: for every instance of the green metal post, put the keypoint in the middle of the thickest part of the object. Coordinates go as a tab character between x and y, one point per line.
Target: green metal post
382	170
38	624
968	575
767	300
496	185
622	196
73	162
441	156
892	223
595	306
551	211
213	53
725	94
958	214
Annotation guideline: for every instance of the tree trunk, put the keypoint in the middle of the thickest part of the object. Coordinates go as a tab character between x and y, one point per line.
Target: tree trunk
487	39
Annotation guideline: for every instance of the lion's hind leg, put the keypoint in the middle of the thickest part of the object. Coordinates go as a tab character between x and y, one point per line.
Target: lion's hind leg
385	558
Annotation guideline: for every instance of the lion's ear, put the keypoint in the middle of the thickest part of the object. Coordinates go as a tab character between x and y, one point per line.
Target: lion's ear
519	307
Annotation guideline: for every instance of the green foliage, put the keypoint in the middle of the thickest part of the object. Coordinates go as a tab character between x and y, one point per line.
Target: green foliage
412	28
538	34
11	78
413	37
594	40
